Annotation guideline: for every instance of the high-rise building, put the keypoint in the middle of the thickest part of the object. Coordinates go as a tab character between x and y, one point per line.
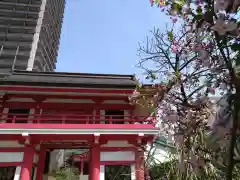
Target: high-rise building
30	33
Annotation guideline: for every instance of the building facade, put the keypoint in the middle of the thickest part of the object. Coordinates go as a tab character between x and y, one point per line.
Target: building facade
42	112
29	34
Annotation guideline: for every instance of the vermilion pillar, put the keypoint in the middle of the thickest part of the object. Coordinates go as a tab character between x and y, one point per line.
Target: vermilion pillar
41	163
95	162
27	165
139	165
90	164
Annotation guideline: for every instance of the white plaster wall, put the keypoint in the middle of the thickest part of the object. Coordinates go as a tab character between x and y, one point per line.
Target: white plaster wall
117	156
11	156
133	173
35	158
10	144
84	177
102	172
17	173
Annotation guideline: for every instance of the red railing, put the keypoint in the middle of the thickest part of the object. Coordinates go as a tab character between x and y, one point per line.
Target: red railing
74	119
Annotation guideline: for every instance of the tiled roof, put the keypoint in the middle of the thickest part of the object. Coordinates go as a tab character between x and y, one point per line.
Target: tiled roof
68	79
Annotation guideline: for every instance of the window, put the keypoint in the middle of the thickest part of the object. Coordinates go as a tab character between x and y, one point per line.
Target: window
19	113
116	115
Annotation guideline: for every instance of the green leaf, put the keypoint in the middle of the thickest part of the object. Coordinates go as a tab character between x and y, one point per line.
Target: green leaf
176	7
199	10
180	2
198	17
235	47
170	35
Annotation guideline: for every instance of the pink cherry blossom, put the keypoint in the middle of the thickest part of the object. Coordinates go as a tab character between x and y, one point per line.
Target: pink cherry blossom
223	86
172	118
193	60
204	55
151	2
174	49
211	90
174	20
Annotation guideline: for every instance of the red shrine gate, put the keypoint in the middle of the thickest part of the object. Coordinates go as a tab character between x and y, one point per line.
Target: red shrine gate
42	111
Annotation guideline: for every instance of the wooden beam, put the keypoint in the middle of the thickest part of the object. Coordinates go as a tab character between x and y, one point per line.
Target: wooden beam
41	96
72	106
65	90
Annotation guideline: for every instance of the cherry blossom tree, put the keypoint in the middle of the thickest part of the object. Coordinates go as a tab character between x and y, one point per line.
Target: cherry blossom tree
194	59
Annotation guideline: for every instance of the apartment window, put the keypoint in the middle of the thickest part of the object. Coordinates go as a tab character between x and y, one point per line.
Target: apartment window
117	116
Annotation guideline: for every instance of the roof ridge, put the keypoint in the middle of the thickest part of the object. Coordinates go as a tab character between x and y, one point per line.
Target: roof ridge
83	75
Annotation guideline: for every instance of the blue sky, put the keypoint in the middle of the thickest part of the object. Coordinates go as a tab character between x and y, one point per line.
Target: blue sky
102	36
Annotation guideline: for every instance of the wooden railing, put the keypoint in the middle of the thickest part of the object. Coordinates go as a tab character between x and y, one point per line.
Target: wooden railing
74	119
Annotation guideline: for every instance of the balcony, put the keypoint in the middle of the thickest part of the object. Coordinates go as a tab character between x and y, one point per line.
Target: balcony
66	121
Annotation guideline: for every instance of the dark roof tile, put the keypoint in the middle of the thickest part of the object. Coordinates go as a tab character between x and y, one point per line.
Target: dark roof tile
69	79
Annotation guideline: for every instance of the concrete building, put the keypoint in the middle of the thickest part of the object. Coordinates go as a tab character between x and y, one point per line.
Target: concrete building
30	33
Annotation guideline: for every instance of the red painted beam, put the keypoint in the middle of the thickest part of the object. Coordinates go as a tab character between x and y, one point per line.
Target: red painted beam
63	137
113	163
9	137
12	149
66	90
114	149
72	106
66	97
78	126
10	164
64	146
